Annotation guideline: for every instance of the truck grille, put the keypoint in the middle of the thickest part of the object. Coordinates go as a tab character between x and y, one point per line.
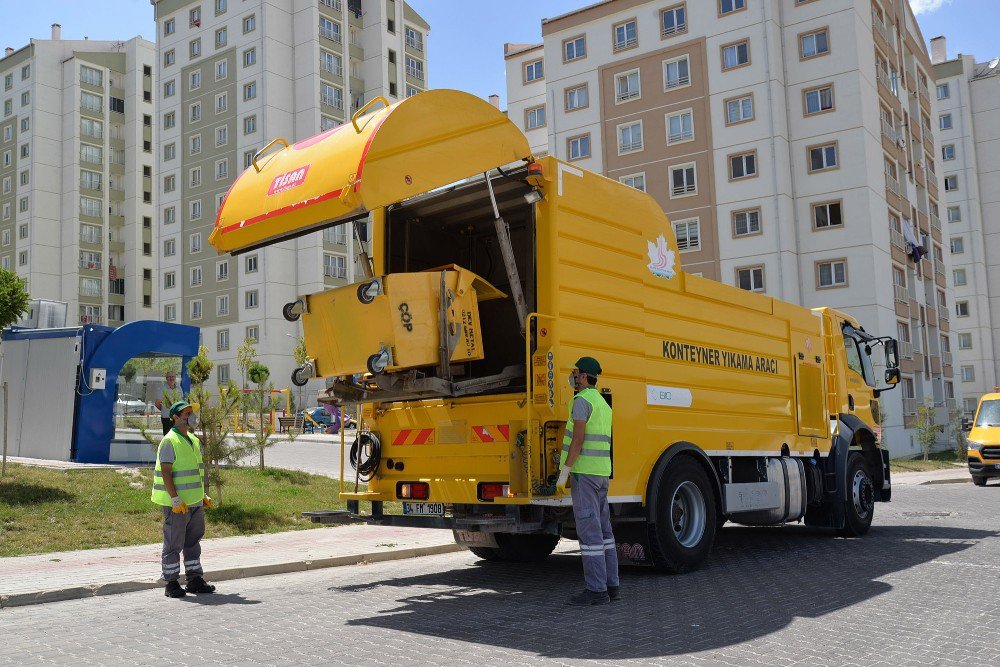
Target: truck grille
992	452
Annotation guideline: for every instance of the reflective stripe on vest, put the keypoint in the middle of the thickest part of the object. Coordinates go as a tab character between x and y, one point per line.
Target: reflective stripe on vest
187	470
595	456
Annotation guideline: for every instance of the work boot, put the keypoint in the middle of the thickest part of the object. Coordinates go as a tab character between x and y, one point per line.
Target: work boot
174	590
197	585
588	598
614	593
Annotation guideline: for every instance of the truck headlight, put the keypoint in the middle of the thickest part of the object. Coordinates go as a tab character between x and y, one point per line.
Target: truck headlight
978	446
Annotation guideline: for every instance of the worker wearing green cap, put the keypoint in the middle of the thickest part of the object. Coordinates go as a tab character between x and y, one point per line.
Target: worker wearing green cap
179	487
587	455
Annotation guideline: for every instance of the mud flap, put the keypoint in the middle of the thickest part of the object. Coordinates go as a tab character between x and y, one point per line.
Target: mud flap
632	542
469	538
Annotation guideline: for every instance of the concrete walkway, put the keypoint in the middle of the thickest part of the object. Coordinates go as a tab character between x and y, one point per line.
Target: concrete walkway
26	580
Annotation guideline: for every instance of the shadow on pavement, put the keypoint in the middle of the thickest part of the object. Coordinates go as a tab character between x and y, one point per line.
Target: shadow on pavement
757	581
218	599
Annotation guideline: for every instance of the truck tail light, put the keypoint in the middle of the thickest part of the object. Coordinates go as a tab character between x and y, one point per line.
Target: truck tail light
490	490
413	490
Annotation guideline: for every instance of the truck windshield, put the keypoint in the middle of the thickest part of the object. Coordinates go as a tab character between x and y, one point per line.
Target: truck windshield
858	360
989	414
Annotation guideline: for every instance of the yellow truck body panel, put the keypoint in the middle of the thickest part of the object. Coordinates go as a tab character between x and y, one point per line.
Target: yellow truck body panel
984	440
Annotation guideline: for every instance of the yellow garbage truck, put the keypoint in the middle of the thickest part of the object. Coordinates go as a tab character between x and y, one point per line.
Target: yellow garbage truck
488	273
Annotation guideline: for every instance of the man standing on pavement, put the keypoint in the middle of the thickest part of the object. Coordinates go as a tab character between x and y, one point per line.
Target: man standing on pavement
163	403
587	454
179	487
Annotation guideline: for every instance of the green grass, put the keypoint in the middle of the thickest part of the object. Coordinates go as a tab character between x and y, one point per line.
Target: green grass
45	510
938	461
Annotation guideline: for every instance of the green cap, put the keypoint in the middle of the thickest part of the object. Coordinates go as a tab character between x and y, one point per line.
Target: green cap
589	366
178	407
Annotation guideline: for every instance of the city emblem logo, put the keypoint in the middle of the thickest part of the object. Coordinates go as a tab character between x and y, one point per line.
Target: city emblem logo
288	180
661	258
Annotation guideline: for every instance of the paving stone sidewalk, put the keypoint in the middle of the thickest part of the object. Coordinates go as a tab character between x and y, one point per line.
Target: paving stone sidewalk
37	579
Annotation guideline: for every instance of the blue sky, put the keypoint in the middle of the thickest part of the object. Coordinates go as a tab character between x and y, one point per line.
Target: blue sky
466	45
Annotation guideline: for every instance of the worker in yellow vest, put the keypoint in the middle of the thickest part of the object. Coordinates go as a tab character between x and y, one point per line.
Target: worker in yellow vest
179	487
586	454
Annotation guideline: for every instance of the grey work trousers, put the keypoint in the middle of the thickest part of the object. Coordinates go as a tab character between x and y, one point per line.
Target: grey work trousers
182	533
593	528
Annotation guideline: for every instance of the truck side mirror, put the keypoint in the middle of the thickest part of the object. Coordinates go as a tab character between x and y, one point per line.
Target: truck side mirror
892	356
892	376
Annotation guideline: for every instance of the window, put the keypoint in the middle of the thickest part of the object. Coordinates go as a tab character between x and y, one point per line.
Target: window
23	205
630	137
414	39
577	98
90	234
827	215
90	286
25	124
22	231
957	245
196	309
194	17
194	112
169	120
25	98
331	62
91	76
331	96
680	126
194	177
534	117
813	44
965	341
730	6
329	29
249	57
195	208
746	223
735	55
637	181
739	109
951	183
575	48
195	242
5	238
822	158
626	35
251	264
960	279
415	68
962	308
533	71
578	147
948	152
743	165
335	266
627	86
194	48
250	299
25	72
25	150
195	276
249	23
252	333
683	180
248	159
169	58
249	124
8	82
968	373
222	335
222	135
673	20
169	280
954	214
169	26
222	169
221	37
688	233
169	312
194	144
750	278
831	274
25	178
90	206
221	102
91	102
249	91
169	88
676	73
222	270
944	121
22	258
89	180
818	100
169	183
169	151
943	91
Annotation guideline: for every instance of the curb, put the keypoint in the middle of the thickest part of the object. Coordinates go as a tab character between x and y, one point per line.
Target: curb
226	574
951	480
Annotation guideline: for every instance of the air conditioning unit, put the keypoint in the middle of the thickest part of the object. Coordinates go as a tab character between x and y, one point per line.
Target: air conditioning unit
44	314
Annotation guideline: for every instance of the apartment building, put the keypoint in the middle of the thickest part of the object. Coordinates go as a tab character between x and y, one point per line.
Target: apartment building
76	174
968	99
789	141
235	75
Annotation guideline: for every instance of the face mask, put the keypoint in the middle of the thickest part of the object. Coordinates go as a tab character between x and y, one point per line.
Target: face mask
574	379
192	420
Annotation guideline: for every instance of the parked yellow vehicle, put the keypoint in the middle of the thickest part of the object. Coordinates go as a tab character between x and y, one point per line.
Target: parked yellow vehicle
984	440
728	405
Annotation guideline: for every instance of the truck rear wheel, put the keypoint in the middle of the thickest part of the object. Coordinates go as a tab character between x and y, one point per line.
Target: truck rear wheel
518	548
860	503
685	518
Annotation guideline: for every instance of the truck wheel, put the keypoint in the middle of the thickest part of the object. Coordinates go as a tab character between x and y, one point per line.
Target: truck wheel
288	313
299	378
518	548
685	518
978	480
860	504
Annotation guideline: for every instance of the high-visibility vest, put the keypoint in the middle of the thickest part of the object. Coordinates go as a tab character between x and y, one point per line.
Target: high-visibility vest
187	470
595	457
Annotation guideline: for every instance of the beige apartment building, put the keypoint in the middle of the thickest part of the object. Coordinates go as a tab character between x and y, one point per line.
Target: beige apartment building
76	174
968	99
789	141
233	76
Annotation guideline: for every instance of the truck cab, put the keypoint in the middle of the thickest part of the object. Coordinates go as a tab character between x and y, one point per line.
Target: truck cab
984	440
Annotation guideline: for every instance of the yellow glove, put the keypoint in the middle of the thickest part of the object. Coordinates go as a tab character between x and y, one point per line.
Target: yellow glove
563	479
208	503
177	506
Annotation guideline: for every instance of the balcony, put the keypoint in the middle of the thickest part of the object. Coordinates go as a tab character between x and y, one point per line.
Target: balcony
925	97
630	146
334	69
892	185
946	357
881	29
415	44
900	294
883	79
905	349
890	132
939	268
415	72
951	404
684	135
90	266
935	222
331	35
909	406
332	4
334	272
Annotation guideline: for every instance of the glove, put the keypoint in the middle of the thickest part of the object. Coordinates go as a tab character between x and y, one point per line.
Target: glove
177	506
207	503
563	479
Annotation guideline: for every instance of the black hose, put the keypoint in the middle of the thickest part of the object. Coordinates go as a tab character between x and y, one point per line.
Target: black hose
366	455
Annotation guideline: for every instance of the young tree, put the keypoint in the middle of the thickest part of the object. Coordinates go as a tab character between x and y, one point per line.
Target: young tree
246	355
927	429
300	355
13	298
955	424
260	399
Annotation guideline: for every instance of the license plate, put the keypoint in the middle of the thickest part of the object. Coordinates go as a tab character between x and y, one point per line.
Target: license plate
423	509
996	466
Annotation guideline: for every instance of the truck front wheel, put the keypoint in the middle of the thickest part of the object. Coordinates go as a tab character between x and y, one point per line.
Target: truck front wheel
684	519
860	503
518	548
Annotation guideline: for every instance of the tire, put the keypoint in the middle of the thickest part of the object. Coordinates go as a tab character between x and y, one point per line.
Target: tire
518	548
288	314
978	480
363	292
298	379
377	363
685	519
859	507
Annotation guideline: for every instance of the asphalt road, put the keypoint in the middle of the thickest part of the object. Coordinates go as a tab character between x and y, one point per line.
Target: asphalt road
920	589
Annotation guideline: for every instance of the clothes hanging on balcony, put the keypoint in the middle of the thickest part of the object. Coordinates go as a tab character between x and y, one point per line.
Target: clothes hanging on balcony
917	250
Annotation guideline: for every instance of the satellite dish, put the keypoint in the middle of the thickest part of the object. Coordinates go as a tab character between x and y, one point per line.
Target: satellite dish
994	63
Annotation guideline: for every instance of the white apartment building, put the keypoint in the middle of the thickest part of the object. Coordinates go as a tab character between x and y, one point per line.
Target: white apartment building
789	141
233	76
968	98
76	174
